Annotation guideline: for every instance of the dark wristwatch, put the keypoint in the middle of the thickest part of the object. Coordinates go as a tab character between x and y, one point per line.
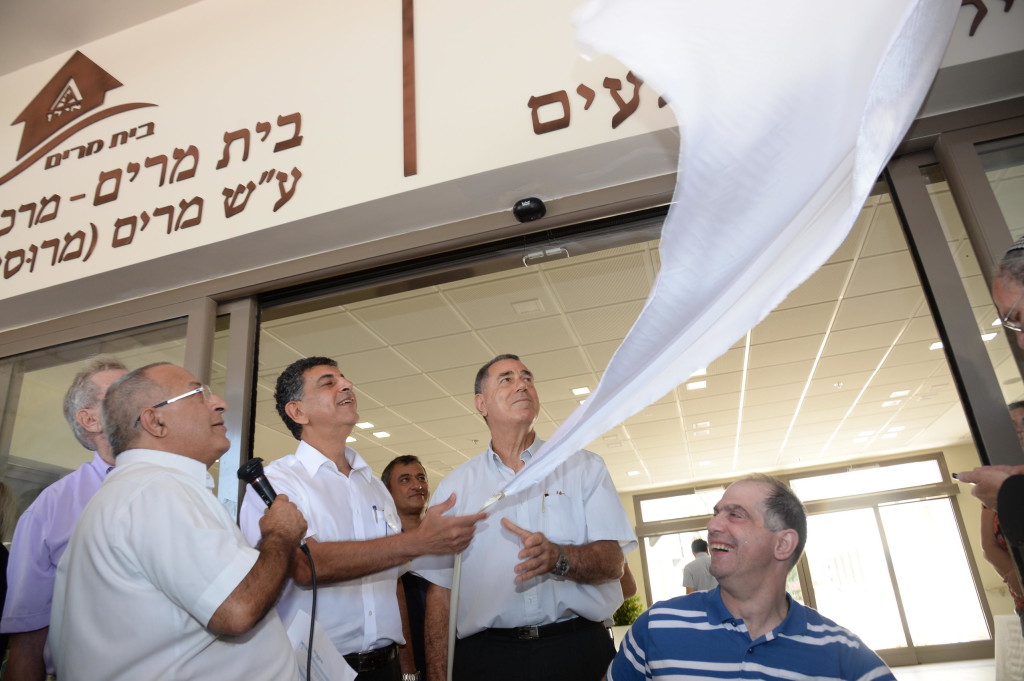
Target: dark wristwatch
561	568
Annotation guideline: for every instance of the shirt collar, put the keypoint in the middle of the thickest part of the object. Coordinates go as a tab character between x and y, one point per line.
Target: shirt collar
312	460
190	467
99	465
525	455
795	621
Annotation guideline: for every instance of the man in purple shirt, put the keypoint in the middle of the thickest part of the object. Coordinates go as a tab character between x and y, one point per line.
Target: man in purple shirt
45	527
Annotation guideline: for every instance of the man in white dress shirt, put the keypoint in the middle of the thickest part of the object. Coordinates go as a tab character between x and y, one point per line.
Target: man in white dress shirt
541	576
157	581
355	536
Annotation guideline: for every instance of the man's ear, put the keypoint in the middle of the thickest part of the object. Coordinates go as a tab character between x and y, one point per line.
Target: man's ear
478	401
91	419
296	413
785	544
151	422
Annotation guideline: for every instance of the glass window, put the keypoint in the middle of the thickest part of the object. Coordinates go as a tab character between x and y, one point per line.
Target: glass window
933	573
846	559
1003	161
700	503
867	480
38	442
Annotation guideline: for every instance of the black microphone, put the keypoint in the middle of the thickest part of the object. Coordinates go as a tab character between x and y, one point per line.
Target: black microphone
251	472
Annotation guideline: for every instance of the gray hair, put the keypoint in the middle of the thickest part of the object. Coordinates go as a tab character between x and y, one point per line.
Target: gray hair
783	511
481	374
126	398
84	394
1011	267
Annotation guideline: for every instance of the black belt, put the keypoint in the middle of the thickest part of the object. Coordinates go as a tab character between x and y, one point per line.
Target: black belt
369	660
544	630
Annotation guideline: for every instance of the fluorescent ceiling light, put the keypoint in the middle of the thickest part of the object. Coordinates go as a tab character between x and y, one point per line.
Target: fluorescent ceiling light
697	385
382	434
364	425
581	391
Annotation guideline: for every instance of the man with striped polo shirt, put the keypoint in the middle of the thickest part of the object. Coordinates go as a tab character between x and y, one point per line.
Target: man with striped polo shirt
748	627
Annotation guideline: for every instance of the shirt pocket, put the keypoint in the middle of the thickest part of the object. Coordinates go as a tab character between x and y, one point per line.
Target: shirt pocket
562	517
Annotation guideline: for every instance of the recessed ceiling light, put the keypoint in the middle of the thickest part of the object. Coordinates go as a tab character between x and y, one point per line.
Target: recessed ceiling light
997	322
703	463
899	393
581	391
702	424
382	434
891	403
350	439
700	372
633	473
987	336
364	425
701	433
935	346
525	307
697	385
582	401
837	385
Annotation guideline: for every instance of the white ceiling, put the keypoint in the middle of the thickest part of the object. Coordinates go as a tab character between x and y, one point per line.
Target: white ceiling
819	374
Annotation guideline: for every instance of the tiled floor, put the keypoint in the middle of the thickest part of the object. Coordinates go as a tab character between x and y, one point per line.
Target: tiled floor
967	670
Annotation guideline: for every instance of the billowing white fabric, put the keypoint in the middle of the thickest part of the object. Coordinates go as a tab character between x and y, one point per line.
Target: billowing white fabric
788	111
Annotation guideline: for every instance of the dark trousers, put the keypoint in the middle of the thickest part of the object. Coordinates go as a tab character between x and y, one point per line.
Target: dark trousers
581	655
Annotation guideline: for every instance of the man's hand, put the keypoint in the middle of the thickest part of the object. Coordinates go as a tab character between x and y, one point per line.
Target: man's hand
283	522
987	480
539	555
440	534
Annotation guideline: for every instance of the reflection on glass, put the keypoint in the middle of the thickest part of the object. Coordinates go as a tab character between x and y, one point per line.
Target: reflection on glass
931	568
985	314
1003	161
42	447
850	577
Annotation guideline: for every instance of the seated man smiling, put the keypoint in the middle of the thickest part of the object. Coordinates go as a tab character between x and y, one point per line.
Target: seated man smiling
747	627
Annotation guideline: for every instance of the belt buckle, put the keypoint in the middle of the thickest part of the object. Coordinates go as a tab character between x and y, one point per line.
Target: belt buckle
528	633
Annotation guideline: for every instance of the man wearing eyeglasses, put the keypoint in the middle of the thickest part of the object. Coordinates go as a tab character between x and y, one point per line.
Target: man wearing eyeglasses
355	535
158	581
45	527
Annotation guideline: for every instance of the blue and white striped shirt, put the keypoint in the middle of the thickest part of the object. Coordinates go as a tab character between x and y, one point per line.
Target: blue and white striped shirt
695	638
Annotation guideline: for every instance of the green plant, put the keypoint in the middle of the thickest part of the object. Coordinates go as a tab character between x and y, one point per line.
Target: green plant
628	612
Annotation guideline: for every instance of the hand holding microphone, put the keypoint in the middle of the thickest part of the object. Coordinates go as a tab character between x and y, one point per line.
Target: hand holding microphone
283	518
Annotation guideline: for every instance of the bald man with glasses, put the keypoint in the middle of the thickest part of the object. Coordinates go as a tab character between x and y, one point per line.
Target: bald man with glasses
157	580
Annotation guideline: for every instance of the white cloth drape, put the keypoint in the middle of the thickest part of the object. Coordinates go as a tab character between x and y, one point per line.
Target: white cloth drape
788	111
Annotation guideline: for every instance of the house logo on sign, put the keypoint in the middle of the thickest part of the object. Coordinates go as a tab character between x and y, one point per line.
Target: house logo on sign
72	101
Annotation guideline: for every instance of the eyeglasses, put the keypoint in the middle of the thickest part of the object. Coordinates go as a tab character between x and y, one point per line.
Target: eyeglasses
204	389
1005	321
